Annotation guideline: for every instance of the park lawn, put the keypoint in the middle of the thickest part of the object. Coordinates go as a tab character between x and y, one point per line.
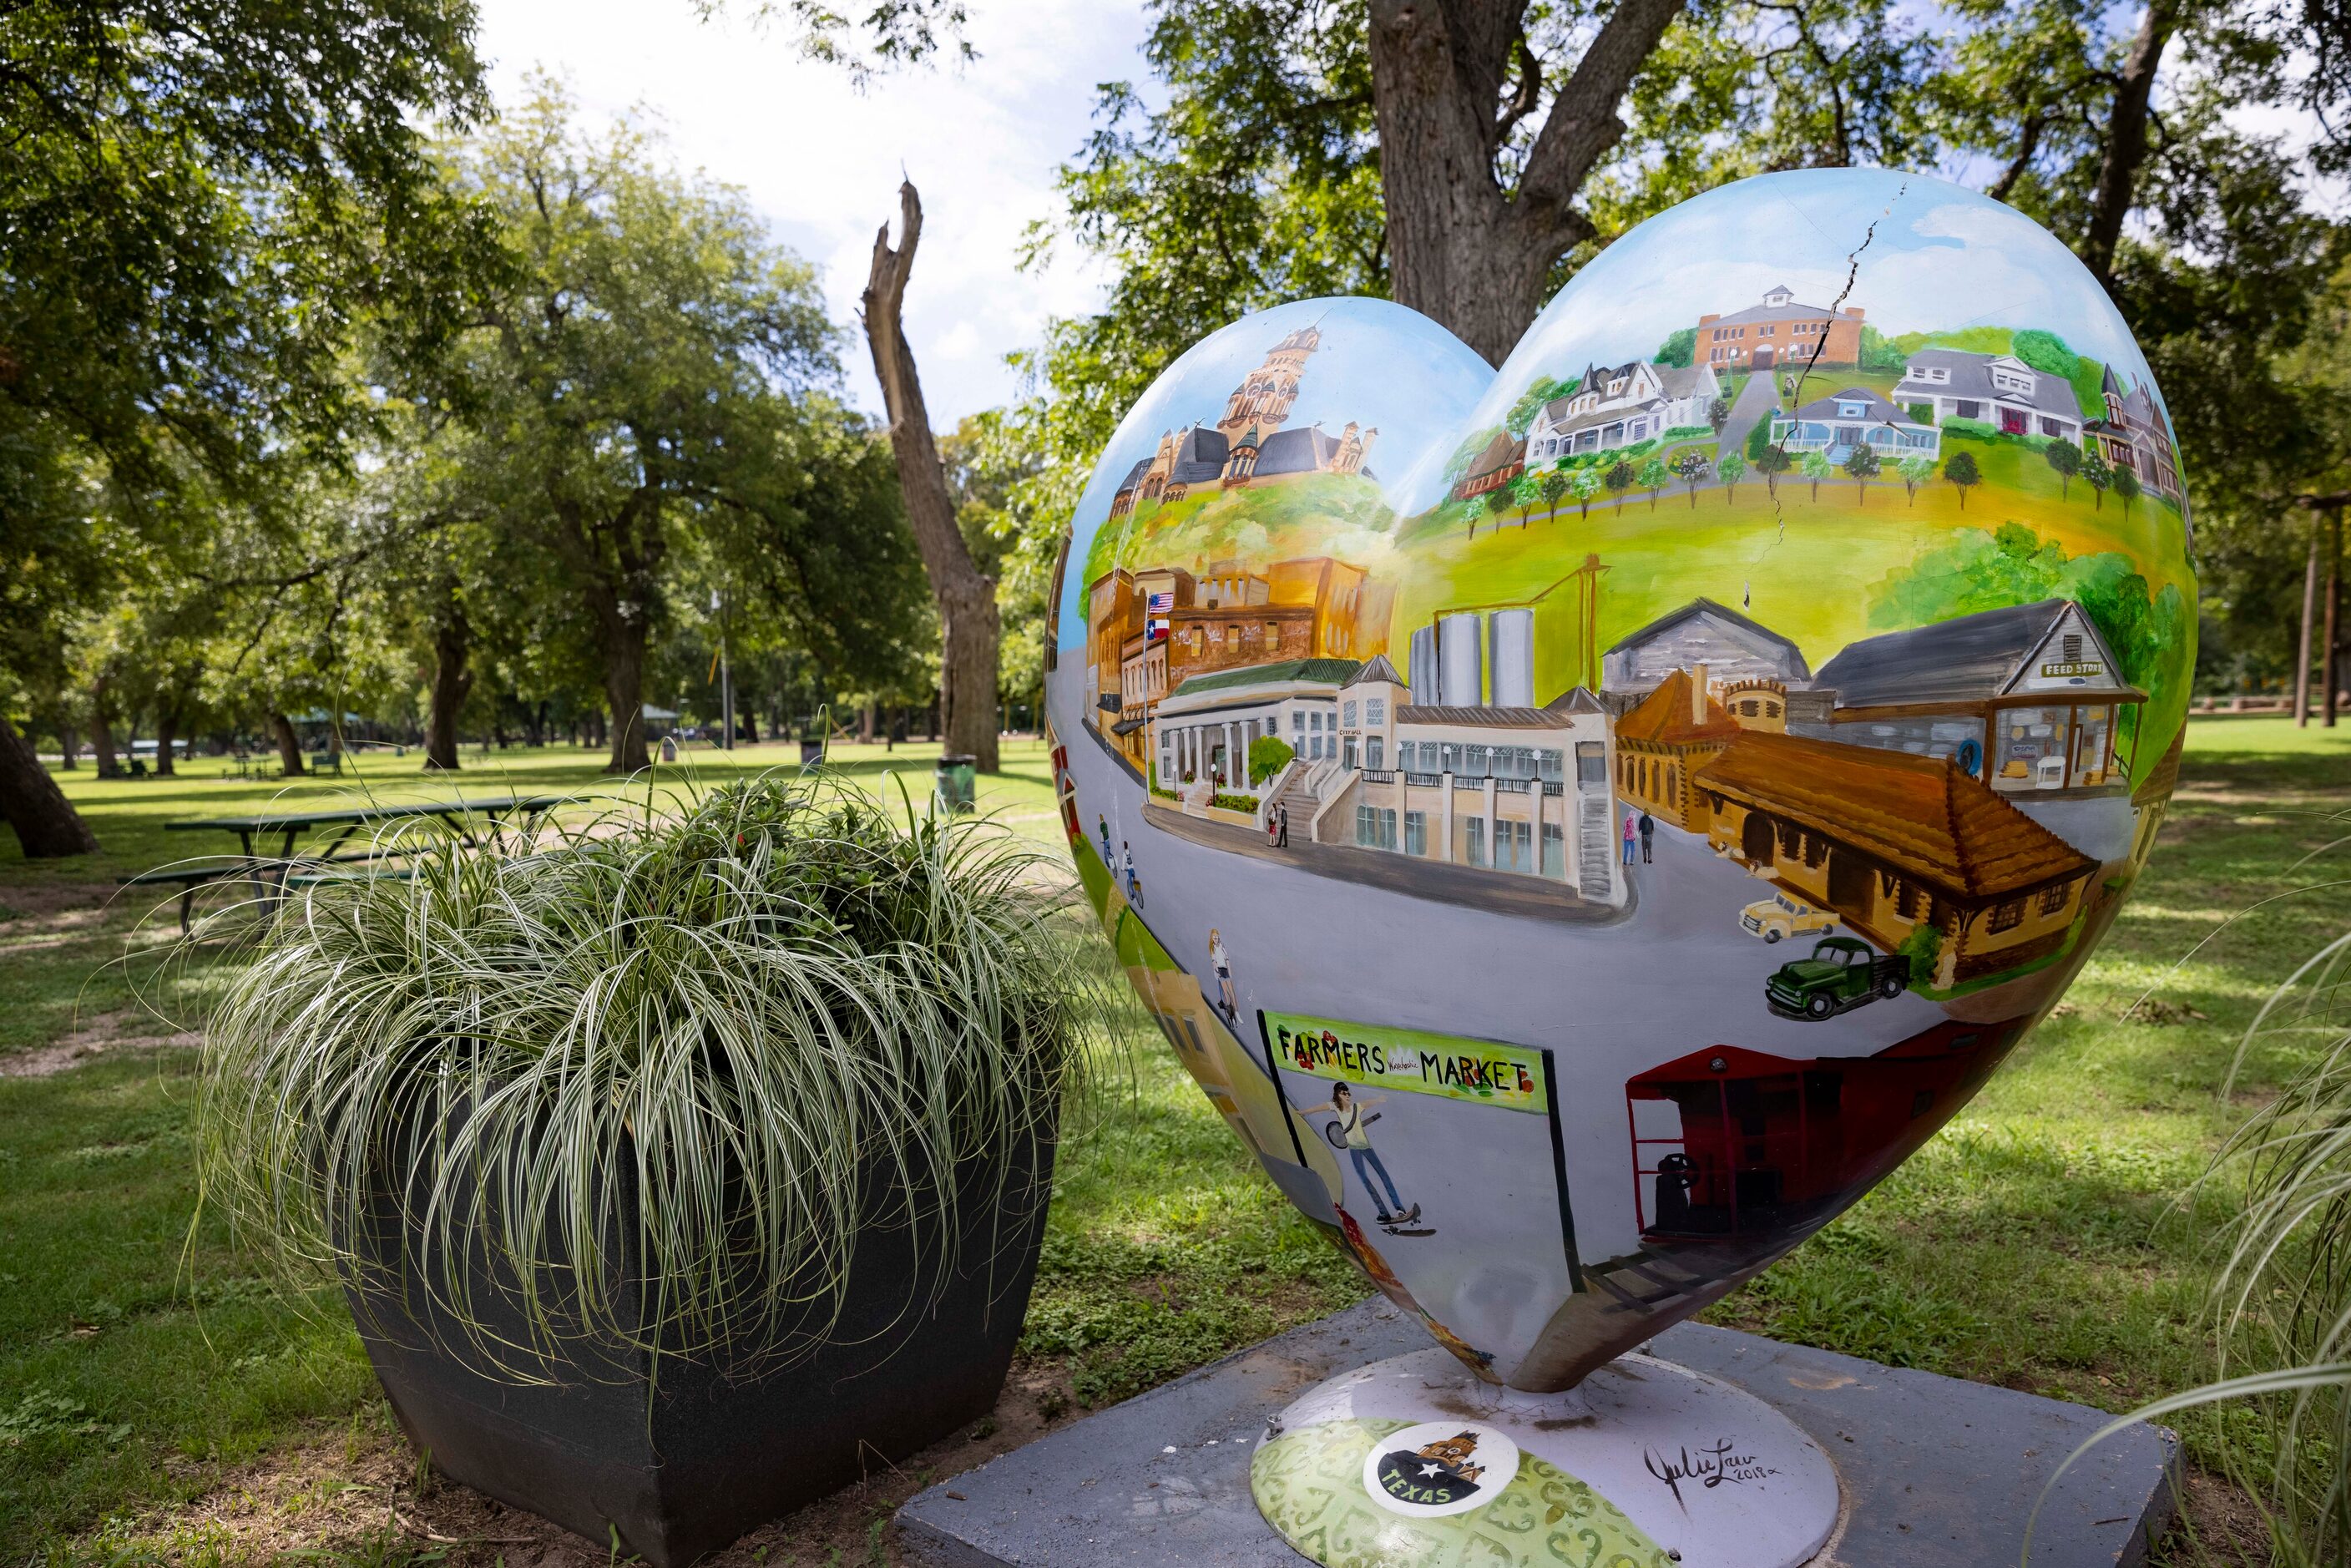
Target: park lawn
141	1365
2034	1242
129	814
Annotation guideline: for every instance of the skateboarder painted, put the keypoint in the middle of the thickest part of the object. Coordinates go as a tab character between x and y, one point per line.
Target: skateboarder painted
1351	1119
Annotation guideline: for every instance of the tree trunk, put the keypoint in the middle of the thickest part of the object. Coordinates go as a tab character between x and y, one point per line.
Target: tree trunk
2126	149
966	596
69	744
453	682
167	737
2333	612
48	828
624	689
289	744
101	733
1465	251
2309	622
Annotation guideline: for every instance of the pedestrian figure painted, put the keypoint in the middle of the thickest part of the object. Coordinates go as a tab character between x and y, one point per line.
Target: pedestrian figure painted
1281	826
1648	832
1632	836
1221	961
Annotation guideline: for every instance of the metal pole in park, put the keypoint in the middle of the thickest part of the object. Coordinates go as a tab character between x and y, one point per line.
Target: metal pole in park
725	670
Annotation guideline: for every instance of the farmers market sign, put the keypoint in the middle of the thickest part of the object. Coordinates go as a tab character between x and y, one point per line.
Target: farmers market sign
1413	1061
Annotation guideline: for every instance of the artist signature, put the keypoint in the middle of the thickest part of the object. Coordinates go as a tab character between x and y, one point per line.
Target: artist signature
1710	1466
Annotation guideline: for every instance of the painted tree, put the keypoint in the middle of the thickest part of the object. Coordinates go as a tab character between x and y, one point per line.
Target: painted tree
1772	462
2098	477
1655	477
1731	468
1718	414
1693	470
1915	472
2127	488
1471	510
1526	494
1544	389
2067	459
1863	464
1960	470
1584	484
1555	488
1817	467
1619	478
1268	755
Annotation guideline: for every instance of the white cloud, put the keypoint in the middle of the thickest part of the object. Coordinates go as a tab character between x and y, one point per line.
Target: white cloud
1977	223
823	161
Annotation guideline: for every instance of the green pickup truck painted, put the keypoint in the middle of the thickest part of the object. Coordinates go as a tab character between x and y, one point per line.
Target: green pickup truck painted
1842	973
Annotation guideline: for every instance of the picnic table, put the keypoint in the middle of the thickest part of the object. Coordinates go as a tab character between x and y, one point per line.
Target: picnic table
351	818
293	825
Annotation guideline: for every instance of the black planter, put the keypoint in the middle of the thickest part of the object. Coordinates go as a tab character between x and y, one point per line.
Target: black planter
680	1459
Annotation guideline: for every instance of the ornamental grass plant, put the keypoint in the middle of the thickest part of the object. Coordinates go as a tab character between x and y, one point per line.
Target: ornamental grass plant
2280	1307
648	1078
2283	1299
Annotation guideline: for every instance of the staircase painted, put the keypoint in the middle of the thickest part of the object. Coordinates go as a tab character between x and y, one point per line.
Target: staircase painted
1593	848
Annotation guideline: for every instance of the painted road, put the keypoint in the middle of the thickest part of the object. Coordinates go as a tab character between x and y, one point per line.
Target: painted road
1677	976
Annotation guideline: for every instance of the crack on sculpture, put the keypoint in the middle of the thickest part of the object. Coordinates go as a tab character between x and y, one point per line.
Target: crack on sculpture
1820	347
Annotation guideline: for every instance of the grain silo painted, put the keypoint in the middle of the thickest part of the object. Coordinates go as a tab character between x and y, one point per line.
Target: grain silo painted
1427	683
1461	659
1510	655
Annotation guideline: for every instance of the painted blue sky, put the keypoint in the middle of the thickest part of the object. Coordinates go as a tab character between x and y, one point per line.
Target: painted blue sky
1380	365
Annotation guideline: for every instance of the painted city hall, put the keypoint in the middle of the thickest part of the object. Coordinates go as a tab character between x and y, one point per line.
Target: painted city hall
1249	443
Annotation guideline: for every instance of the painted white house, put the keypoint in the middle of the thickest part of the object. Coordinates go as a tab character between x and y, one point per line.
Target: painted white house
1999	390
1203	728
1857	417
1615	407
1521	791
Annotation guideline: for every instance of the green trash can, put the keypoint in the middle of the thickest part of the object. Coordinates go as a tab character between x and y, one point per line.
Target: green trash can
812	752
954	776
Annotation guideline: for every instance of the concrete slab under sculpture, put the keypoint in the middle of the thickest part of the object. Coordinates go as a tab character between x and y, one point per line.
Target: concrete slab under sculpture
1934	1472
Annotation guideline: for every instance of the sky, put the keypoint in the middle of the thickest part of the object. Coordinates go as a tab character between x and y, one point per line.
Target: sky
822	162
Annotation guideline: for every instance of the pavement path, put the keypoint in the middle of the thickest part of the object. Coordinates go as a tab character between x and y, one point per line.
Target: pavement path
1755	402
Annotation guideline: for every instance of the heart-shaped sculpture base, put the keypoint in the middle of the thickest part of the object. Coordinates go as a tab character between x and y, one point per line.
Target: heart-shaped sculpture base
1414	1460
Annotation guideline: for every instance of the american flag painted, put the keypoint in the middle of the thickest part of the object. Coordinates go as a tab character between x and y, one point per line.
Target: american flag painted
1156	608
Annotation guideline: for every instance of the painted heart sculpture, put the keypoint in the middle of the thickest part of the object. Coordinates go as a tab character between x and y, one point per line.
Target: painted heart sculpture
1582	825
